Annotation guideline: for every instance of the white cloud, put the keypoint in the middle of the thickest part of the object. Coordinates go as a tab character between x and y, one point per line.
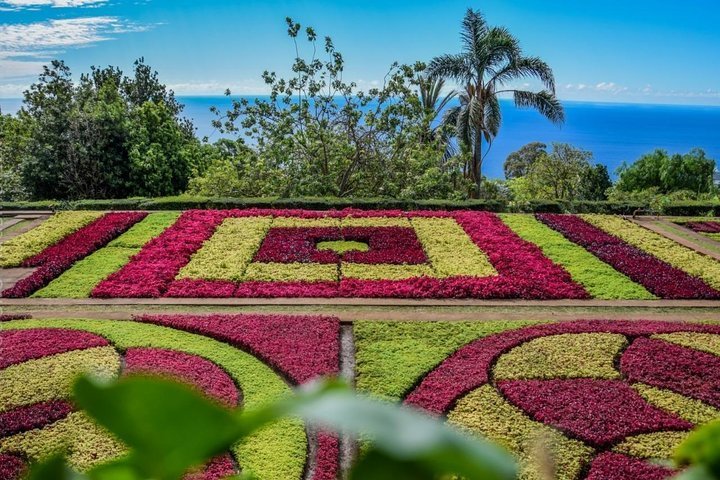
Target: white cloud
20	4
25	47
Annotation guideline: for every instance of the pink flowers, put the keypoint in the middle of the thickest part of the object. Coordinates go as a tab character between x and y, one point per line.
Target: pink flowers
616	466
54	260
470	367
657	276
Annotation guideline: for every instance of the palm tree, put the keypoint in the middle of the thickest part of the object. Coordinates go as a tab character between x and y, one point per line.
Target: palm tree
433	103
491	59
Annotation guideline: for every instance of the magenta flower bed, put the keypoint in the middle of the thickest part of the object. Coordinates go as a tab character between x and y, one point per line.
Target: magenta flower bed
616	466
194	370
666	365
300	347
526	273
704	227
57	258
149	272
22	345
599	412
470	367
657	276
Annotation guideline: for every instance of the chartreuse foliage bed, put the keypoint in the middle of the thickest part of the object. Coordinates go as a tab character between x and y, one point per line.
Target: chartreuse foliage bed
354	253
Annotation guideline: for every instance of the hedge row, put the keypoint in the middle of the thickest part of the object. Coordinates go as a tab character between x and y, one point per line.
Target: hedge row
687	208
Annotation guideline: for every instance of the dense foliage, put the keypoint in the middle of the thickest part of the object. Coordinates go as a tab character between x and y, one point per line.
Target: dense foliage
106	136
565	173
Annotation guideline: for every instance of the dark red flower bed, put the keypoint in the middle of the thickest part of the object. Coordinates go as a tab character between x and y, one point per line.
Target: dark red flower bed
703	227
657	276
300	347
615	466
599	412
11	467
22	345
57	258
13	316
204	374
393	245
297	244
470	367
666	365
32	416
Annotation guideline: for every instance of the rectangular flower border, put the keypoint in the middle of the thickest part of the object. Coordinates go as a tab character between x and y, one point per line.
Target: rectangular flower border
526	273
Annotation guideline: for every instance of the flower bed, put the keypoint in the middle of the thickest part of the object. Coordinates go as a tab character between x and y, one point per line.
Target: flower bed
415	255
558	381
248	359
659	277
54	260
353	253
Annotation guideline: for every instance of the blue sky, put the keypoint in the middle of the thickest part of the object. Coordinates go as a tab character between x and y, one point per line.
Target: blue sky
611	51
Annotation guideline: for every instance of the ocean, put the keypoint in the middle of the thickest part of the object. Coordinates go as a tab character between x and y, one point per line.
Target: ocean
614	133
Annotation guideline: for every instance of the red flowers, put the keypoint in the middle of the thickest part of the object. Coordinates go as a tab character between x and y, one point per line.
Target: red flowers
392	245
301	347
599	412
54	260
657	276
704	227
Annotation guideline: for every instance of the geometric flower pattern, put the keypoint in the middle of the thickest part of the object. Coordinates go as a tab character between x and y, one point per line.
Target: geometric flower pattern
238	360
593	420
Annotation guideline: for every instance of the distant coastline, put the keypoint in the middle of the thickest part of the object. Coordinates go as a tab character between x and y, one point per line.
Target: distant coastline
614	132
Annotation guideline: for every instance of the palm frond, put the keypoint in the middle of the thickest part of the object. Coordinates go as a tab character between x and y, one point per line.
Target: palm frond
525	67
493	117
451	66
544	102
474	28
500	47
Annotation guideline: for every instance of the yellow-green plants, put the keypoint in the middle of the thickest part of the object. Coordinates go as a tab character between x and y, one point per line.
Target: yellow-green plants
18	249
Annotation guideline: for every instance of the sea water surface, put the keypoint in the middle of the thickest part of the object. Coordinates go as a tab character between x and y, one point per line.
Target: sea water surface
614	133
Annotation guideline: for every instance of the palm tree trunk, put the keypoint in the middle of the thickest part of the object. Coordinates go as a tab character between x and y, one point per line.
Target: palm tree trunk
477	163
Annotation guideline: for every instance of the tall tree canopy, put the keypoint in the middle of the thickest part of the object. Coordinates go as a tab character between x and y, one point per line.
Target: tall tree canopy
491	61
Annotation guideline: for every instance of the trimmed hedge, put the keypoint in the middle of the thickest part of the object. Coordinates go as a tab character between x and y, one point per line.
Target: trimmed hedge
184	202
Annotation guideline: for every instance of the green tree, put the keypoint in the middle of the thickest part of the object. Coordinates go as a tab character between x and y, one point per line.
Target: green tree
595	183
518	163
491	60
48	104
666	173
160	157
107	136
322	136
14	139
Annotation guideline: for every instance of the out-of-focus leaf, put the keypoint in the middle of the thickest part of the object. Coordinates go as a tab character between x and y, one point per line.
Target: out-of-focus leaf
54	468
408	436
702	449
168	426
695	473
375	465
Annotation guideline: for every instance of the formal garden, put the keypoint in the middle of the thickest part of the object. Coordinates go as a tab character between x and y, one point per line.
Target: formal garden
334	290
